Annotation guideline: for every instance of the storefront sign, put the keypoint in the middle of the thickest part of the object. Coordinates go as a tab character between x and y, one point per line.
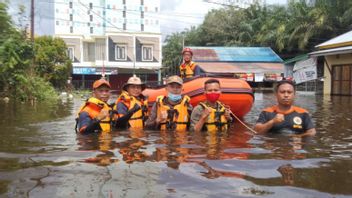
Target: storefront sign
84	70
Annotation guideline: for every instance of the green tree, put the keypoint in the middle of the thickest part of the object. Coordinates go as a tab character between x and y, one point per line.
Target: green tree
51	60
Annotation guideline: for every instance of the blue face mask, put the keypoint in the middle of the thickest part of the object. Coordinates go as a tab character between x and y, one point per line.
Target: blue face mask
174	97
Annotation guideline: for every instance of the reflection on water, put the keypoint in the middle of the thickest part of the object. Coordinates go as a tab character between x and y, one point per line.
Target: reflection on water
41	156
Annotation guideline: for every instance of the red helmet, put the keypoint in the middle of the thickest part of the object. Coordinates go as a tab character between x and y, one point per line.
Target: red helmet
187	49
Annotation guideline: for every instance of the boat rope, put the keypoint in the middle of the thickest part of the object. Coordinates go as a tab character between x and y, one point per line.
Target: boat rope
244	124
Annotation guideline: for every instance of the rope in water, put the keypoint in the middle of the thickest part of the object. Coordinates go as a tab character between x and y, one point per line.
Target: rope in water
244	124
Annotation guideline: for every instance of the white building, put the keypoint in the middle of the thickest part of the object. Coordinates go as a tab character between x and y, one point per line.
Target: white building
239	3
96	17
114	37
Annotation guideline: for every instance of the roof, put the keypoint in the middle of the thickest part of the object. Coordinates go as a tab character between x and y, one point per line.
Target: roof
339	41
234	54
227	67
296	59
340	50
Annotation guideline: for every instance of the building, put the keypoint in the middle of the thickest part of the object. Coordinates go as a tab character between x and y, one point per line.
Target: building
112	37
256	65
337	57
239	3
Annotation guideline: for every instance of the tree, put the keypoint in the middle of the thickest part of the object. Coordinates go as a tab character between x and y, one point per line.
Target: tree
51	60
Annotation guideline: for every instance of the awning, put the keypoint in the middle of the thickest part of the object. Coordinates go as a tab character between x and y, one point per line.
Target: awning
340	50
215	67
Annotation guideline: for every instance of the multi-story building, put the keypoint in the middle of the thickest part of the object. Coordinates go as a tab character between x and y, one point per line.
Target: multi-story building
240	3
112	37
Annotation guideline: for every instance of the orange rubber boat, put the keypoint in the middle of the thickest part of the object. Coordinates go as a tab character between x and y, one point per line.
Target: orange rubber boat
236	93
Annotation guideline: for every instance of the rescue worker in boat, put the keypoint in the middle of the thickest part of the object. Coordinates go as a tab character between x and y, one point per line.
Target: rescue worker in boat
188	68
211	115
94	115
132	105
171	112
284	117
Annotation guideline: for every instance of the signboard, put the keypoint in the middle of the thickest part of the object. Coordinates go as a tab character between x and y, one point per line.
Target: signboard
305	70
245	76
305	74
84	70
258	77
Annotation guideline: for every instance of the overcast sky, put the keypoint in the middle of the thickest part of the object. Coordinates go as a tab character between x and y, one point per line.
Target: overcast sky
175	15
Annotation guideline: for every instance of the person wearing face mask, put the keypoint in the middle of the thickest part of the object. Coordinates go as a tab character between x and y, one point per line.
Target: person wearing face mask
171	112
211	115
131	105
94	114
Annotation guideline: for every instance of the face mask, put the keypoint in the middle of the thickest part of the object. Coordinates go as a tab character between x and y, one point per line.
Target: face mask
212	97
174	97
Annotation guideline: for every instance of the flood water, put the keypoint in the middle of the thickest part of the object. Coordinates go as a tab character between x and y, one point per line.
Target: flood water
41	156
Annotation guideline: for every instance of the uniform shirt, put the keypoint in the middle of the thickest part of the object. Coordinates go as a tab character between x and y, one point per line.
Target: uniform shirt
297	120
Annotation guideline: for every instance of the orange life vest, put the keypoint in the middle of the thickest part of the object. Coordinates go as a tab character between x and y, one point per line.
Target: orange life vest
187	69
93	106
177	116
137	119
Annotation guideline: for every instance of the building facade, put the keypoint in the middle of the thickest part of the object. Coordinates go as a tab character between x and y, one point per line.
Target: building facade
337	57
115	38
241	3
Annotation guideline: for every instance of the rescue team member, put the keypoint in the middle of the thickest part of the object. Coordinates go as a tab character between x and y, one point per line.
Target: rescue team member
284	117
132	105
94	115
188	68
171	112
211	115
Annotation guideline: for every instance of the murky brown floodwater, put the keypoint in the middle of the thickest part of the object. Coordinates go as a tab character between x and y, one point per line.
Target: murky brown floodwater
41	156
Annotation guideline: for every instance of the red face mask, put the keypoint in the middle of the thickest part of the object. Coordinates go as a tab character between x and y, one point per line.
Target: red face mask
212	97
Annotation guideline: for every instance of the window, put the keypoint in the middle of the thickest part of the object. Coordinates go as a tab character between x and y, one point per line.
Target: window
71	17
120	52
156	9
91	17
142	14
142	2
142	27
88	24
124	26
90	5
91	30
57	23
71	4
71	29
124	14
147	53
71	53
123	1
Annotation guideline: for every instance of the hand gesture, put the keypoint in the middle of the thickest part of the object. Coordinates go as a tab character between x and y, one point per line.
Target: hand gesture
162	117
279	118
102	115
205	113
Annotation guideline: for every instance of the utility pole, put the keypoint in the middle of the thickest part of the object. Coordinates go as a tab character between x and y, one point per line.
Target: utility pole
32	20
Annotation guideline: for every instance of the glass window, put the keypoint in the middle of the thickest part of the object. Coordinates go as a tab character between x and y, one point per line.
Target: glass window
120	52
147	53
71	53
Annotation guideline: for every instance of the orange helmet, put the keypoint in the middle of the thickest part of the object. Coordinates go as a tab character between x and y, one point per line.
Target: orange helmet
187	49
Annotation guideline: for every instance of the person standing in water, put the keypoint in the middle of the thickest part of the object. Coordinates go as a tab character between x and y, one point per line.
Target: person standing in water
211	115
284	117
